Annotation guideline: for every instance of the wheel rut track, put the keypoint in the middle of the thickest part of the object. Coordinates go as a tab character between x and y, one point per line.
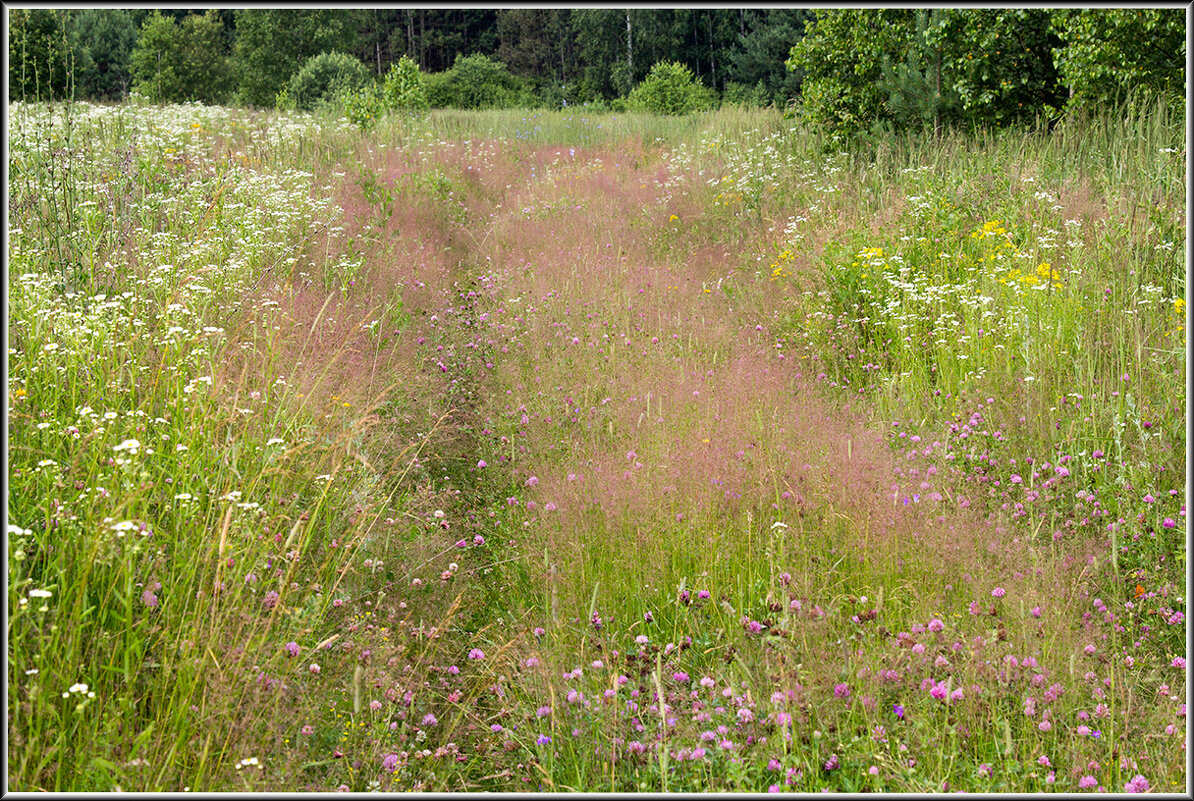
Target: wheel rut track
586	365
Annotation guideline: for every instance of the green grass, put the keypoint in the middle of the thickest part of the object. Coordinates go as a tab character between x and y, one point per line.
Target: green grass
255	361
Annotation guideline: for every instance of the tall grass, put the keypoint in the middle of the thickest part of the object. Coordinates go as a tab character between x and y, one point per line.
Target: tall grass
555	450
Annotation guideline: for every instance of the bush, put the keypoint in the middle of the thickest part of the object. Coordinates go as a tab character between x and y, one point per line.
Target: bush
557	95
596	106
404	89
323	79
476	82
739	94
670	88
362	106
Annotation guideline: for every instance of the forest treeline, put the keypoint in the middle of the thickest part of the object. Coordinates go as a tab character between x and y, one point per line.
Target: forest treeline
849	69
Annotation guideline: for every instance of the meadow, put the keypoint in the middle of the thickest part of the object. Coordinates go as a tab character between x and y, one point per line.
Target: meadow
555	451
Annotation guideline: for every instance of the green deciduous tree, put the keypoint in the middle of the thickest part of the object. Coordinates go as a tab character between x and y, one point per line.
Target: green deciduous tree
157	60
979	66
206	66
601	46
1102	54
404	88
273	43
616	48
176	62
660	34
40	57
1001	63
842	55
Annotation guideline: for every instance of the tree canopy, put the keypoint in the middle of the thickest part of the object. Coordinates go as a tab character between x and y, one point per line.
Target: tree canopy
848	69
982	66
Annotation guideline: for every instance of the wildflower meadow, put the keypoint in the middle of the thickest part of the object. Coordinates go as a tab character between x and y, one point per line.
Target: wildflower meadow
567	451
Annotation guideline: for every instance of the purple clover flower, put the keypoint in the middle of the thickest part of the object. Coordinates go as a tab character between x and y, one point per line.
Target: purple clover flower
1138	784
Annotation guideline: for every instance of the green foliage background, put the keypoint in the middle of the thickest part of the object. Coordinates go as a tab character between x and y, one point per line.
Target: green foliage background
175	62
853	71
979	67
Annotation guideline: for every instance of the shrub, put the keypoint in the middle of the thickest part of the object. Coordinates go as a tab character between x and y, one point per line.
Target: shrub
596	106
739	94
404	89
670	88
362	106
557	95
324	78
477	82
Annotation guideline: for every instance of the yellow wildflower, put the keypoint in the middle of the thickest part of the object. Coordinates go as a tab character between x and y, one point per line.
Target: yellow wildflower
1046	271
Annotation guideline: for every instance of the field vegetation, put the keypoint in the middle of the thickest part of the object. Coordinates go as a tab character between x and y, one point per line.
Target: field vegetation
555	450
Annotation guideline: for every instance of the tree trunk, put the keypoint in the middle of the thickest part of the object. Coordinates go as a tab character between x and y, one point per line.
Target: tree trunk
629	48
712	55
937	105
